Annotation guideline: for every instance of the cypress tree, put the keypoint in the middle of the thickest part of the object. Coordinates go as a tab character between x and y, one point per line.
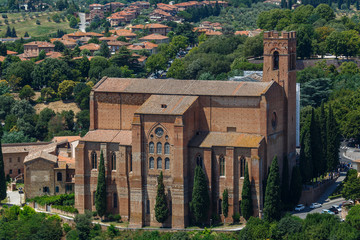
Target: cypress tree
2	174
26	34
246	200
8	32
100	195
295	185
322	127
290	4
339	3
357	5
316	145
283	4
306	151
330	2
225	203
285	182
272	210
161	208
104	50
200	197
13	32
348	3
333	141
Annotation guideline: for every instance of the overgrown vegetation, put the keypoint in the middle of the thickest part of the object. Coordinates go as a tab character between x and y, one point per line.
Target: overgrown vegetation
63	202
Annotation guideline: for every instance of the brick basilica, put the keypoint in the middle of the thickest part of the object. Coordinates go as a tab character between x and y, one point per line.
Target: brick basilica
144	126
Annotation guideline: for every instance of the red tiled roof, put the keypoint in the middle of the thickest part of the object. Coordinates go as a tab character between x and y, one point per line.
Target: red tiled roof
154	37
39	44
8	52
68	138
90	46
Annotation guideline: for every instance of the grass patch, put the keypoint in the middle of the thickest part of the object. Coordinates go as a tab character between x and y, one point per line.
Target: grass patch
43	30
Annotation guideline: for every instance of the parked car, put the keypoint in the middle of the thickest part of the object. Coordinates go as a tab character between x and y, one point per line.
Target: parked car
327	211
338	207
300	207
315	205
334	210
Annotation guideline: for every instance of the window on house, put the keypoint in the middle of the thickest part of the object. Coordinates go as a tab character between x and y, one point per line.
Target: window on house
276	60
19	171
167	163
222	165
199	160
57	189
242	166
147	206
94	160
45	189
159	148
113	161
167	148
151	163
59	176
159	163
151	148
115	200
10	171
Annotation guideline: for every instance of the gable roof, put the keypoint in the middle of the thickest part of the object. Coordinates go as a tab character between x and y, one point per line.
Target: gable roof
182	87
123	137
154	36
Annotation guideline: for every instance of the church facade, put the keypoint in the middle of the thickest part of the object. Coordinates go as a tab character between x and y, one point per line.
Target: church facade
145	126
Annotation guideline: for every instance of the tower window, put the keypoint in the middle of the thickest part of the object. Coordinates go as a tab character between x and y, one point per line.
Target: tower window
242	166
220	206
159	148
222	165
167	163
151	163
113	161
151	148
93	160
276	60
159	163
115	200
199	160
167	148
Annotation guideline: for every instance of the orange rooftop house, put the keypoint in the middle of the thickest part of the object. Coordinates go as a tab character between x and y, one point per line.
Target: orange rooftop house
157	38
92	47
34	48
153	28
147	126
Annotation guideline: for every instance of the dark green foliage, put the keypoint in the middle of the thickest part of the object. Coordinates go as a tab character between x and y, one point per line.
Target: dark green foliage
26	93
289	225
100	196
2	176
225	203
161	208
333	141
285	182
83	119
83	225
246	199
59	46
255	229
104	50
351	189
323	133
353	217
200	197
272	209
295	185
315	91
306	151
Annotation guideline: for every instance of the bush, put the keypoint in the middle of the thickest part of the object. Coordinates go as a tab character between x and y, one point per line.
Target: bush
334	196
38	22
66	227
236	217
69	209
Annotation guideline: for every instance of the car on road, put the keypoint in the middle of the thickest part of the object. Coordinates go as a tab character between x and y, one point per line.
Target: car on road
315	205
300	207
338	207
334	210
327	211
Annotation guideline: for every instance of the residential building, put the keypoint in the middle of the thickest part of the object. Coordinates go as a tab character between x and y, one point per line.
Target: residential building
157	38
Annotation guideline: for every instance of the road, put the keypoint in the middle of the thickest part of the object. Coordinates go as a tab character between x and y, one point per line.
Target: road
82	25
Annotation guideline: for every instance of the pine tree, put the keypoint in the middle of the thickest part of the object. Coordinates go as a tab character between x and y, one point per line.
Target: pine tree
13	32
295	185
8	32
100	195
200	197
322	127
246	199
285	182
316	145
161	208
225	203
333	141
306	151
272	209
26	34
2	174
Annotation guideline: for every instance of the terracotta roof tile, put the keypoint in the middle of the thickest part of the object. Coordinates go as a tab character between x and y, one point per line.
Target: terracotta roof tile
90	46
182	87
8	52
124	137
154	37
226	139
67	138
21	147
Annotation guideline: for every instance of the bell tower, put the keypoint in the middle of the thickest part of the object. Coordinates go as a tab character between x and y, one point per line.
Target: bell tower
280	66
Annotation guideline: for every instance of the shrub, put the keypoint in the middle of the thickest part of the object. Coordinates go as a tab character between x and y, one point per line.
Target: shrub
66	227
236	217
37	22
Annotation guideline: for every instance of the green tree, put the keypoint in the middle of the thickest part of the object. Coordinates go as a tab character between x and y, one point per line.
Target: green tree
156	62
59	46
246	199
225	203
83	119
100	195
26	93
253	46
325	12
13	33
161	208
285	182
295	185
83	225
322	127
104	50
351	189
353	217
73	22
8	32
2	174
200	197
272	209
333	141
66	89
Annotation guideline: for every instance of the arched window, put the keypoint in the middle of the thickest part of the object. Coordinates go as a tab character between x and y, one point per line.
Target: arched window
94	160
242	166
167	148
115	200
113	161
276	60
151	148
159	148
151	163
59	176
199	160
167	163
222	165
159	163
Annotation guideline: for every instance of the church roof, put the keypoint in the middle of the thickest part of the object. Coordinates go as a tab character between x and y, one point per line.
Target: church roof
167	104
182	87
124	137
226	139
